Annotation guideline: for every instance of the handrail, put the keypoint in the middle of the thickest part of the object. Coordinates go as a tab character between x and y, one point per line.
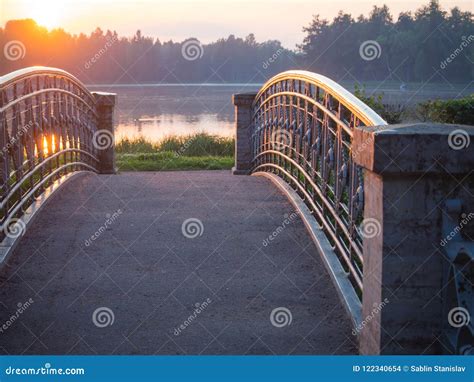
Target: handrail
359	108
37	70
302	128
48	126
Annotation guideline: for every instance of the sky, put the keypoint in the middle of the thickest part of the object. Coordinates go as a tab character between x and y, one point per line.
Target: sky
206	20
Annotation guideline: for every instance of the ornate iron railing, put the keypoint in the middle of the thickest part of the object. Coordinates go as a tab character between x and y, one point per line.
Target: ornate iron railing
458	303
302	131
47	124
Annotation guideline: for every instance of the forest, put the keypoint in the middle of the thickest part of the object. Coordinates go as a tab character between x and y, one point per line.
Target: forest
431	44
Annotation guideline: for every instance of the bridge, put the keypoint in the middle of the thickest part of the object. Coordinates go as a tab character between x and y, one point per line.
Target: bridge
350	236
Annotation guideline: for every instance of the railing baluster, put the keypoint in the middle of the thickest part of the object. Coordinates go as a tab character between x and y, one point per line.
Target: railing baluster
51	117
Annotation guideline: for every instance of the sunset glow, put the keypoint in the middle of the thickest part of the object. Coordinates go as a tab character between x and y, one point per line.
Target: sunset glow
287	182
206	20
47	13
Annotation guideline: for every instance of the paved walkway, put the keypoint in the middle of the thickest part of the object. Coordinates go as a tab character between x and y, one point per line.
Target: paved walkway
114	246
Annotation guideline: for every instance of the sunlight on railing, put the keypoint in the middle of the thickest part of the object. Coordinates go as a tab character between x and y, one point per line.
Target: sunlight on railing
303	125
47	122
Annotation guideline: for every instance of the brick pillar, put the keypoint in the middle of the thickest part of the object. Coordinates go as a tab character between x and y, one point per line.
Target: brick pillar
409	173
243	133
104	139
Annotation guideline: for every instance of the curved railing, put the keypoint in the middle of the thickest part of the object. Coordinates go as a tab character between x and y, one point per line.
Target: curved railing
302	131
47	123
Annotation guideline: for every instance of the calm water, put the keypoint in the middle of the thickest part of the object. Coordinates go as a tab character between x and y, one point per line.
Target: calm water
156	111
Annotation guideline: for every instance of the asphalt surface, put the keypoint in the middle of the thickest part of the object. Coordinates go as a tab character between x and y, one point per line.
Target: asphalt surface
109	267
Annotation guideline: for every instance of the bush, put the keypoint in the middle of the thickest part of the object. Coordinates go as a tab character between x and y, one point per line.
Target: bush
391	113
457	111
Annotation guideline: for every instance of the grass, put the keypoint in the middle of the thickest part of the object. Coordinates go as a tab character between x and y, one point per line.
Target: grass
193	152
168	161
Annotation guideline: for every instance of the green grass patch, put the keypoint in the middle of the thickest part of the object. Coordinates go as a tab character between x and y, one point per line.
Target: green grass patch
169	161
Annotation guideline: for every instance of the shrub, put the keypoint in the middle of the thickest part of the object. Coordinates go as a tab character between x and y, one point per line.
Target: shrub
391	113
458	111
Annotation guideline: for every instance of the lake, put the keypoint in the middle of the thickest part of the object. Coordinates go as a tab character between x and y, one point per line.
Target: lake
157	111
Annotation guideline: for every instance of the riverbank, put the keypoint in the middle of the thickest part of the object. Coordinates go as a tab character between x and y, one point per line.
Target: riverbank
168	161
199	151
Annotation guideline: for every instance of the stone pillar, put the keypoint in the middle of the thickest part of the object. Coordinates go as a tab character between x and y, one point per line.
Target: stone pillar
243	132
104	137
409	173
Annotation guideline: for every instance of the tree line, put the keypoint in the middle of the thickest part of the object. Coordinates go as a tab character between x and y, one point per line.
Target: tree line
106	57
431	44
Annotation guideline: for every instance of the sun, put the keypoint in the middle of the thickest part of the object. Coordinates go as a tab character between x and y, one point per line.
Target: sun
46	19
47	13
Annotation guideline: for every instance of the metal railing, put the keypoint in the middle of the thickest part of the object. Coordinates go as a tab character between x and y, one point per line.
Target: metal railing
302	131
47	124
458	303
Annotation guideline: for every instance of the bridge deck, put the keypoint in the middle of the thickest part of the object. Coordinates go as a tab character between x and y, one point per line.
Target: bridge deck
151	276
